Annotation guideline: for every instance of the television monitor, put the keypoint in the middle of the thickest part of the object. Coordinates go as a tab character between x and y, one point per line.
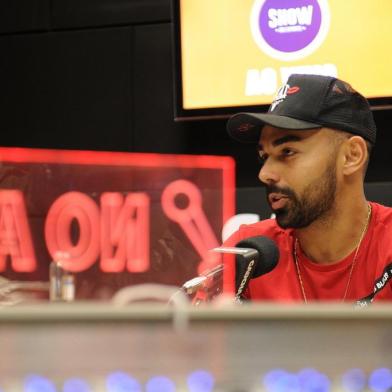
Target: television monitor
232	55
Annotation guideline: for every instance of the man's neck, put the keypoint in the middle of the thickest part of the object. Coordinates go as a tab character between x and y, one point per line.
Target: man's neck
335	236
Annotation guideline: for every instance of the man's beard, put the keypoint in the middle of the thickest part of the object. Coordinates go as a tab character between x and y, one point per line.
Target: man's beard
316	201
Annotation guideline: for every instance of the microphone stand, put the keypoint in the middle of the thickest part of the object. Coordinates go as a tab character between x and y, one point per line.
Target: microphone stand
209	284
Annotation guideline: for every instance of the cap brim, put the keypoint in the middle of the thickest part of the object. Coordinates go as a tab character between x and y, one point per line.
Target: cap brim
246	127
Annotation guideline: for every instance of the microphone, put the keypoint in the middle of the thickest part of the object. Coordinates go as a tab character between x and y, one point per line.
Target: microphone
255	256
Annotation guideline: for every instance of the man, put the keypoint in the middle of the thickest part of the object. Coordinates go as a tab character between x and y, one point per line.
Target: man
314	144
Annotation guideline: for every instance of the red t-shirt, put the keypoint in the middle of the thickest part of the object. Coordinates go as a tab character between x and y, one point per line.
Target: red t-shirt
371	276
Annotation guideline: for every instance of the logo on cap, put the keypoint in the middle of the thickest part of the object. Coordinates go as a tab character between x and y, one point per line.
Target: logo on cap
282	94
245	127
289	30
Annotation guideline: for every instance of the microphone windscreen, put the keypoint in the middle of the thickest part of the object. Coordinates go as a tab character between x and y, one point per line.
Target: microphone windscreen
267	250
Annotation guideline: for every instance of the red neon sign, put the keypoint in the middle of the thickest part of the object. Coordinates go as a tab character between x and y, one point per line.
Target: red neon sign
152	215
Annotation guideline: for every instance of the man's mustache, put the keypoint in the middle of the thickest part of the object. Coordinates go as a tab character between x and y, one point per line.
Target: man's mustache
276	189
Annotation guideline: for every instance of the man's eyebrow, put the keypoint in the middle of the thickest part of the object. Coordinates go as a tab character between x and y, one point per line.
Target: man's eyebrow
286	139
282	140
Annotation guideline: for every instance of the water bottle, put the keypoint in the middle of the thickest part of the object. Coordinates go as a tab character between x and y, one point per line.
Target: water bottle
62	282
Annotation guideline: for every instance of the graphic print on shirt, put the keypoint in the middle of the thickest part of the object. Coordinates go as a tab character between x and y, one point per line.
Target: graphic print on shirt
379	284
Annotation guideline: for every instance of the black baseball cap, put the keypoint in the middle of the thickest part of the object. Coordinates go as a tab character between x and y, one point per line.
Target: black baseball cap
308	102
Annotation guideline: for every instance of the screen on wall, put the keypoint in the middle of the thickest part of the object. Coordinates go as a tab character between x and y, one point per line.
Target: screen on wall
233	55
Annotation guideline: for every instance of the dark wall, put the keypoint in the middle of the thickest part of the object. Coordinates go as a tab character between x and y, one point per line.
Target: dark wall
97	75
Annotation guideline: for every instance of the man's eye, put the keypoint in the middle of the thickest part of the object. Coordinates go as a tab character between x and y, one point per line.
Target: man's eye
287	152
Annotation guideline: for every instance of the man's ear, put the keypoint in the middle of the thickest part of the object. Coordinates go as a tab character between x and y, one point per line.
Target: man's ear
355	155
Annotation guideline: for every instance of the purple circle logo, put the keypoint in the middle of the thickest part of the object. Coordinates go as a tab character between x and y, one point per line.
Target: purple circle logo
289	29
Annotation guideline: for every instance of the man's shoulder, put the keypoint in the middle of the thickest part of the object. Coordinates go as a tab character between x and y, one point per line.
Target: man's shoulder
383	214
267	227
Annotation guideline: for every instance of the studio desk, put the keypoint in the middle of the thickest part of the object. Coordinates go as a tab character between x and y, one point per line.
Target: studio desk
47	347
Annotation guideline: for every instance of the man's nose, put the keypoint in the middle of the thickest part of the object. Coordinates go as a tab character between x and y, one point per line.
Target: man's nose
268	174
